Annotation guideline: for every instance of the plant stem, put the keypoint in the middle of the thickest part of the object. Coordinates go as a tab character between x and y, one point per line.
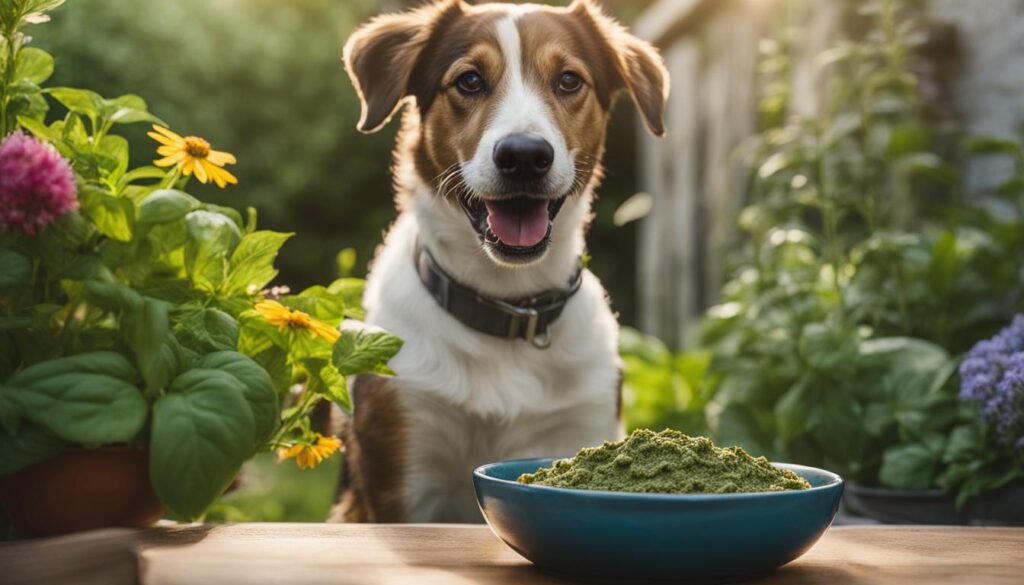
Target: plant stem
11	44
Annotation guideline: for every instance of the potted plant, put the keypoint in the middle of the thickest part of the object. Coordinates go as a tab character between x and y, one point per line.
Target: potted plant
142	359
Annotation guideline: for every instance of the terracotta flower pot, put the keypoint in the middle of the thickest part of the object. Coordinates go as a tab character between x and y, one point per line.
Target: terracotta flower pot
81	489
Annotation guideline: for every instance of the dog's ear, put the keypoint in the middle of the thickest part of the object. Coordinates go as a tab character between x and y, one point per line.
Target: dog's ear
639	65
381	55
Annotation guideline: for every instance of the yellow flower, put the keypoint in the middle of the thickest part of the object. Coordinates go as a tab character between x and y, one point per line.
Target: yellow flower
309	456
277	314
193	154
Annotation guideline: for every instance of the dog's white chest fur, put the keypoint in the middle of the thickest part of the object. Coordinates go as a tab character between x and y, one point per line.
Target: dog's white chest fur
470	398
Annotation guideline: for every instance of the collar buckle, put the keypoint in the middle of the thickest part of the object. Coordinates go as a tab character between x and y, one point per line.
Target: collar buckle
519	315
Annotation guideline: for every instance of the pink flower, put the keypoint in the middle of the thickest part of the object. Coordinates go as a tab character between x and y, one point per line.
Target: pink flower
37	185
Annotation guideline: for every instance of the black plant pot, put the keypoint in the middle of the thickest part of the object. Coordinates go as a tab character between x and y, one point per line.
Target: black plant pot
903	506
1004	506
1001	507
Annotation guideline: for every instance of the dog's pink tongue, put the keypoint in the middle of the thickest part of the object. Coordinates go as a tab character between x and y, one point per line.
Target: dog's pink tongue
520	224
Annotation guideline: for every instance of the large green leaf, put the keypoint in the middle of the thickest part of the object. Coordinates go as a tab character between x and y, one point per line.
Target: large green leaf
252	263
89	398
202	433
29	445
912	467
113	151
258	388
166	205
364	351
113	296
15	270
35	65
205	329
80	101
146	330
112	215
212	238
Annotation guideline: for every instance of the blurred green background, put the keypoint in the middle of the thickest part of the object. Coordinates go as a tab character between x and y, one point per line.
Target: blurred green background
263	79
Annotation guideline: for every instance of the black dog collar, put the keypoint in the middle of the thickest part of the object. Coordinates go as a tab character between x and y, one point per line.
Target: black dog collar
527	319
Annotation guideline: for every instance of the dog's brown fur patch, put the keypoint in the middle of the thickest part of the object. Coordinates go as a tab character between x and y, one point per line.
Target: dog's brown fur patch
375	444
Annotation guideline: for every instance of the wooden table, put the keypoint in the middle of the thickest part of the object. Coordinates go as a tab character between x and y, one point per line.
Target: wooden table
449	554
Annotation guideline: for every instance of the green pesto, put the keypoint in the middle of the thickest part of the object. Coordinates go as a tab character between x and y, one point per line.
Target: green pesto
668	462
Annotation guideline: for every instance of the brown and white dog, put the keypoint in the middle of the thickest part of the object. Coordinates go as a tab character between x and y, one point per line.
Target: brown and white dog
496	165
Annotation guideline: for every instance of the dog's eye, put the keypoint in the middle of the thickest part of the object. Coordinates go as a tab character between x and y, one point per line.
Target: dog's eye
469	83
570	82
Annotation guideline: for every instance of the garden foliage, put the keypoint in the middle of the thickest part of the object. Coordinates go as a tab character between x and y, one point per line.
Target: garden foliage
131	319
866	273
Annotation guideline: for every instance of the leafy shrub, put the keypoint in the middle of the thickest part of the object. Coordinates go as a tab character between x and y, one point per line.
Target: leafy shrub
866	273
137	313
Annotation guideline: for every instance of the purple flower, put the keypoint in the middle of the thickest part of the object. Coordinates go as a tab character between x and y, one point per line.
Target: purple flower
37	185
992	376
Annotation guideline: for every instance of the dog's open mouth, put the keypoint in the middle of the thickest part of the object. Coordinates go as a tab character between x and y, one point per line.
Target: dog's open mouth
517	227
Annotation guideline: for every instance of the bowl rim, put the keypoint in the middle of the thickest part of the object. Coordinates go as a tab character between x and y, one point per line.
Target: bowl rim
835	481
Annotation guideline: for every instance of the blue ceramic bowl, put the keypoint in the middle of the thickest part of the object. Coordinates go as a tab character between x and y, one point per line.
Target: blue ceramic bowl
615	536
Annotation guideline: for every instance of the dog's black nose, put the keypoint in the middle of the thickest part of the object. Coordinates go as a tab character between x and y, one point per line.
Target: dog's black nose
523	157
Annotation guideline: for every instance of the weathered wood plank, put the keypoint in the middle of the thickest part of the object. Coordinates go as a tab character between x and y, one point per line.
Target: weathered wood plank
467	554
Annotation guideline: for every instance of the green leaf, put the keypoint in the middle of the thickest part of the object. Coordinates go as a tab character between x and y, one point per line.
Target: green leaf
142	173
10	412
964	443
929	165
364	351
878	419
114	149
736	425
129	109
202	433
146	329
10	358
90	398
909	467
906	139
791	410
35	65
326	380
252	262
827	347
165	206
258	389
206	329
319	302
992	145
212	238
39	129
29	445
346	261
80	101
274	360
15	270
350	291
113	296
112	215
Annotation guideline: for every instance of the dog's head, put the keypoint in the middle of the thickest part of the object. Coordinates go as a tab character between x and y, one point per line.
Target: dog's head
511	104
